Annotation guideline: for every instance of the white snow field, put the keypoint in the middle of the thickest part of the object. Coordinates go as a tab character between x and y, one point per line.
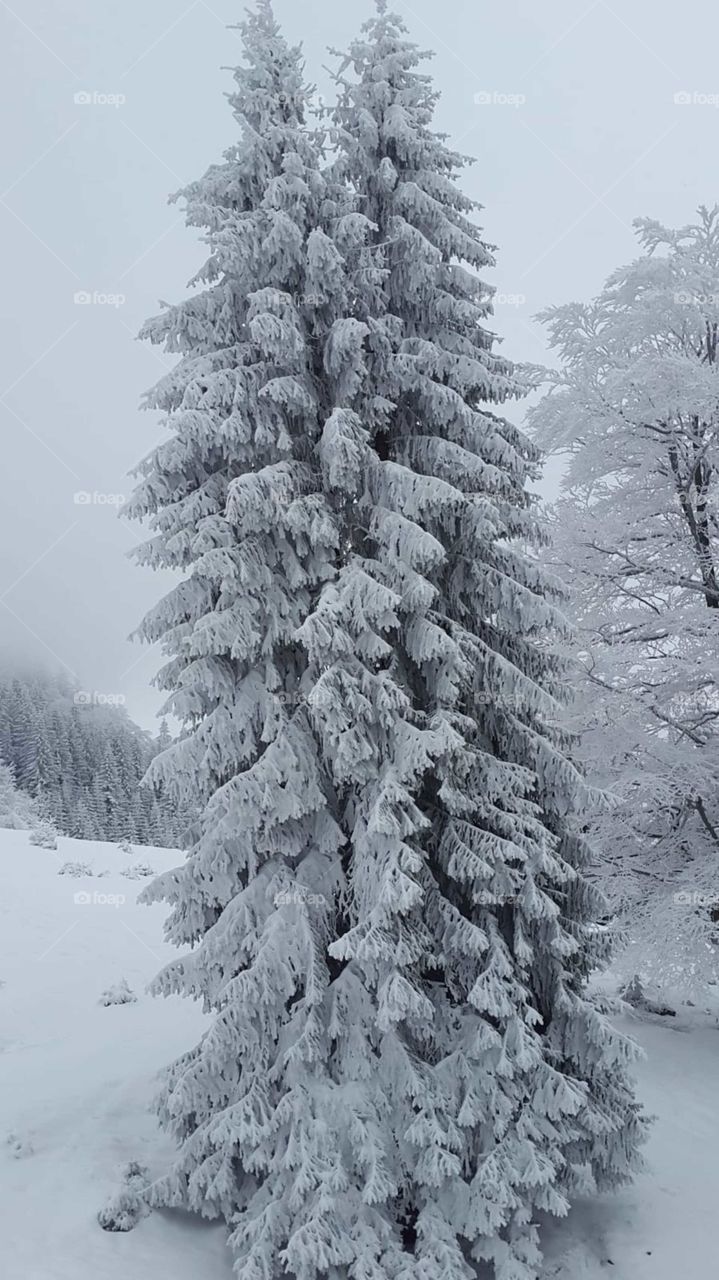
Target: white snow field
77	1078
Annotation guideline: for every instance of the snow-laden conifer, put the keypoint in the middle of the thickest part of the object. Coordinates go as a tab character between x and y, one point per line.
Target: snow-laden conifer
386	901
245	408
470	922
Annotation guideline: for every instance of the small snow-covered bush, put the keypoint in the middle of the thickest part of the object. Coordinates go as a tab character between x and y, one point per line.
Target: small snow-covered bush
74	869
124	1210
119	994
125	847
634	994
138	871
44	836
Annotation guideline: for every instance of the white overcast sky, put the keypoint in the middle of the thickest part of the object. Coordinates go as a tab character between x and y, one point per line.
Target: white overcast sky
597	140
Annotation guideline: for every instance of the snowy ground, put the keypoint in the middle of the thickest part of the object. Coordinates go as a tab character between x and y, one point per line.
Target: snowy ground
664	1227
76	1079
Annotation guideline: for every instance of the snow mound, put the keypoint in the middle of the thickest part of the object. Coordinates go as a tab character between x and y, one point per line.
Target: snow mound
119	994
138	871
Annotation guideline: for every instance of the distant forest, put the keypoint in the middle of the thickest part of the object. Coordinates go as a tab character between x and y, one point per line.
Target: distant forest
83	762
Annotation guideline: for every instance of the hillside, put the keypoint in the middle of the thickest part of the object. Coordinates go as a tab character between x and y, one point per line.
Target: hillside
76	1081
82	759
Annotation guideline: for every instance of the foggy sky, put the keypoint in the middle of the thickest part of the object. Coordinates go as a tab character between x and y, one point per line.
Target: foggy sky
569	109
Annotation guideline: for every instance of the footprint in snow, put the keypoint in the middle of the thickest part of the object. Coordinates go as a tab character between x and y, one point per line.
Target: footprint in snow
19	1147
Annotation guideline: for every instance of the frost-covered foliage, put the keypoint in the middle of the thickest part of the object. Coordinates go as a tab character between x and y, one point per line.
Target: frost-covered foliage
385	907
120	993
636	405
125	1209
44	836
138	871
75	869
672	936
17	809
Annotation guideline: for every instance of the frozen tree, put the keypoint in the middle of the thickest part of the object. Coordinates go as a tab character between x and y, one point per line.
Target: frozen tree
17	809
385	906
635	406
23	732
44	836
164	737
125	1209
111	792
85	827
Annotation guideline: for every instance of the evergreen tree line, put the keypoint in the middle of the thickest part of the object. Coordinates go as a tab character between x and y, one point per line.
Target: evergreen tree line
82	762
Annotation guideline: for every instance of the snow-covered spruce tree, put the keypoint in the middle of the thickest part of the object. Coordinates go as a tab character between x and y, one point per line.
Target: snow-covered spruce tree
385	901
18	810
635	406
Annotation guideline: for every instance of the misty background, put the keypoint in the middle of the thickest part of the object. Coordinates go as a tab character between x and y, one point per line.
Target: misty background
581	118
